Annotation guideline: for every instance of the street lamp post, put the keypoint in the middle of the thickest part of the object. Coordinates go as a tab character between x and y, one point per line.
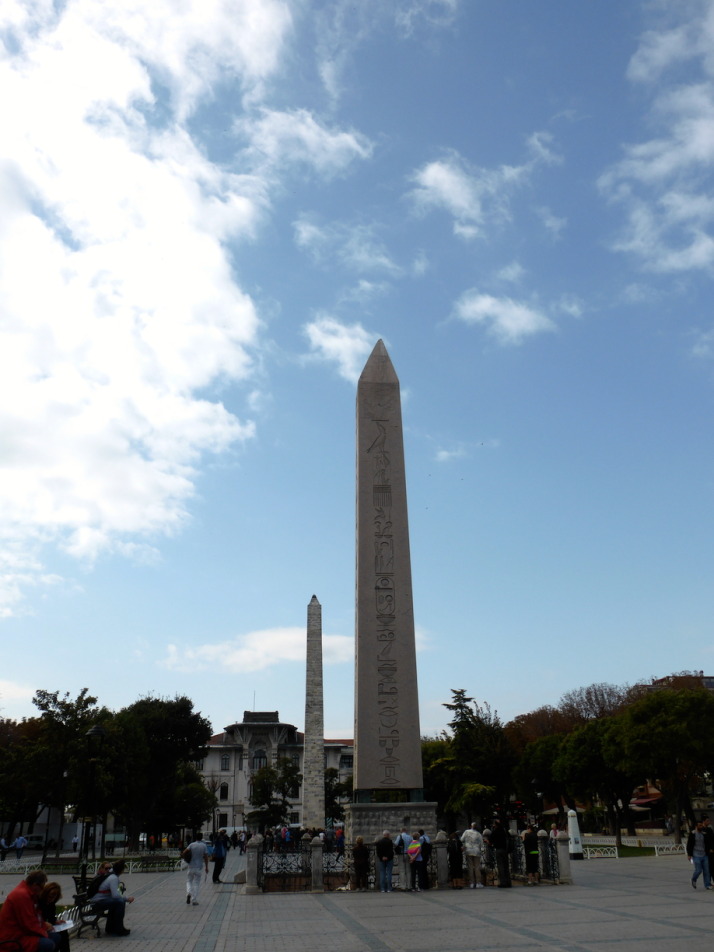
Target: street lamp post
95	735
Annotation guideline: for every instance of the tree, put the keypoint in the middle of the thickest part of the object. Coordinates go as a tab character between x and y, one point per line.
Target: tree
664	737
64	723
478	759
534	777
272	788
155	740
336	791
597	700
585	766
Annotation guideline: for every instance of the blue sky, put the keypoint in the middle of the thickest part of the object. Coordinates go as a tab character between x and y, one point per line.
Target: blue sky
210	214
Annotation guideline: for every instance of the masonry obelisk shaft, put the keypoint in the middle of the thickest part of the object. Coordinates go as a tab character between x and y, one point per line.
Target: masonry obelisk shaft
313	769
387	738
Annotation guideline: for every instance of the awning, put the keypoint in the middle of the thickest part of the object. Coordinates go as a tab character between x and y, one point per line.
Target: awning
645	801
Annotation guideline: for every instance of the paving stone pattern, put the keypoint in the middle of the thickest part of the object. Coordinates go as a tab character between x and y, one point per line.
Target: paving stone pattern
626	905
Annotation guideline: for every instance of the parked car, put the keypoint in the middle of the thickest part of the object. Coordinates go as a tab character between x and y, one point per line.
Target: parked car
35	841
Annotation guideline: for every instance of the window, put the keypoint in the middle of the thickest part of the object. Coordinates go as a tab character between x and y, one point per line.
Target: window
259	759
222	819
198	764
346	761
223	792
294	818
240	762
225	761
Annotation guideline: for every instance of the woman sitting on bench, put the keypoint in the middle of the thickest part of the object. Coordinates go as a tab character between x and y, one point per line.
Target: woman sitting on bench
109	897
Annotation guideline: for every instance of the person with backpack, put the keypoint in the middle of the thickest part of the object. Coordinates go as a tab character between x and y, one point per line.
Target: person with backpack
196	855
101	875
401	845
415	862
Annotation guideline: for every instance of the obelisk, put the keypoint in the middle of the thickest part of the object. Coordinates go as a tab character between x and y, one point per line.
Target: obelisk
387	739
313	765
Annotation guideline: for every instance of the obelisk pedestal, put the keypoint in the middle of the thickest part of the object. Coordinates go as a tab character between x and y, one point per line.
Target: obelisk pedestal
388	782
313	768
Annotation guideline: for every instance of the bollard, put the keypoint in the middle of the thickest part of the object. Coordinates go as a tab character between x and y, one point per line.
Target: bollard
252	853
576	844
566	875
442	860
318	884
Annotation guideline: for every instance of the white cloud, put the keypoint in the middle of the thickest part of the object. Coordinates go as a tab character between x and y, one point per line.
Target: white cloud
512	273
552	223
704	344
663	184
281	139
446	456
473	196
15	699
120	309
257	651
355	247
343	26
348	346
508	320
410	14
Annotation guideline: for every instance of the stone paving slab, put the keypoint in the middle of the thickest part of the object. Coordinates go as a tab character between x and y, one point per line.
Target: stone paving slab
643	904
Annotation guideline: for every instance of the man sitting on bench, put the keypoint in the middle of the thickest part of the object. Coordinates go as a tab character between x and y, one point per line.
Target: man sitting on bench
109	897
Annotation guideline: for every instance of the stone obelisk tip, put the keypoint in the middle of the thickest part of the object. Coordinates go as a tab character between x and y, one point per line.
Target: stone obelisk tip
314	600
379	368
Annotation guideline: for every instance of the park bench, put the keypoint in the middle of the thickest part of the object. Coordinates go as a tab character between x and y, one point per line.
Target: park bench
85	914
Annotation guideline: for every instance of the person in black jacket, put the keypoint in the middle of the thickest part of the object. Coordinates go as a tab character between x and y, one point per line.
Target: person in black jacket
385	861
360	855
498	838
47	901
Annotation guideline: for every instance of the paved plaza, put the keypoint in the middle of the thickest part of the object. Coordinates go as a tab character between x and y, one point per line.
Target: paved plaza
628	905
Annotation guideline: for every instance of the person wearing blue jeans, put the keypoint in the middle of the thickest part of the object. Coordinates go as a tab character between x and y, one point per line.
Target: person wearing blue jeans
385	861
697	853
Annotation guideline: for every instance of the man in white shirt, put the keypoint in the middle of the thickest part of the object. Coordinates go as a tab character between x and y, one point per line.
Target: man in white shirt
196	855
472	842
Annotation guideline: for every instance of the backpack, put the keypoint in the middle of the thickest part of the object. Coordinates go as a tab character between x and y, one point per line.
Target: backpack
93	887
399	845
426	851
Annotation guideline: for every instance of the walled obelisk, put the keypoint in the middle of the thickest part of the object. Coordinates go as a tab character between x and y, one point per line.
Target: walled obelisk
387	762
313	766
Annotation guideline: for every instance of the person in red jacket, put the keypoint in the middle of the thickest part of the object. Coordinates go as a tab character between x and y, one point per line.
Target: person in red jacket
21	919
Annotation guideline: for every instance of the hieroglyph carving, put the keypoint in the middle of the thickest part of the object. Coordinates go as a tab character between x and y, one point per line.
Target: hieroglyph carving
385	607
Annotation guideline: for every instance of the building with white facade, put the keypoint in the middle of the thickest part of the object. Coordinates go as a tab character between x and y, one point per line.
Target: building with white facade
260	739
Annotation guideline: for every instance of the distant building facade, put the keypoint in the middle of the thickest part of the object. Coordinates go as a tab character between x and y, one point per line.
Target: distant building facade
259	740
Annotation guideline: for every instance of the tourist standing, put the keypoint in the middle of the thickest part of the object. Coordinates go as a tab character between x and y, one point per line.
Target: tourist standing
456	861
196	855
220	852
472	842
385	861
20	844
697	852
401	845
415	860
530	845
498	838
360	855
